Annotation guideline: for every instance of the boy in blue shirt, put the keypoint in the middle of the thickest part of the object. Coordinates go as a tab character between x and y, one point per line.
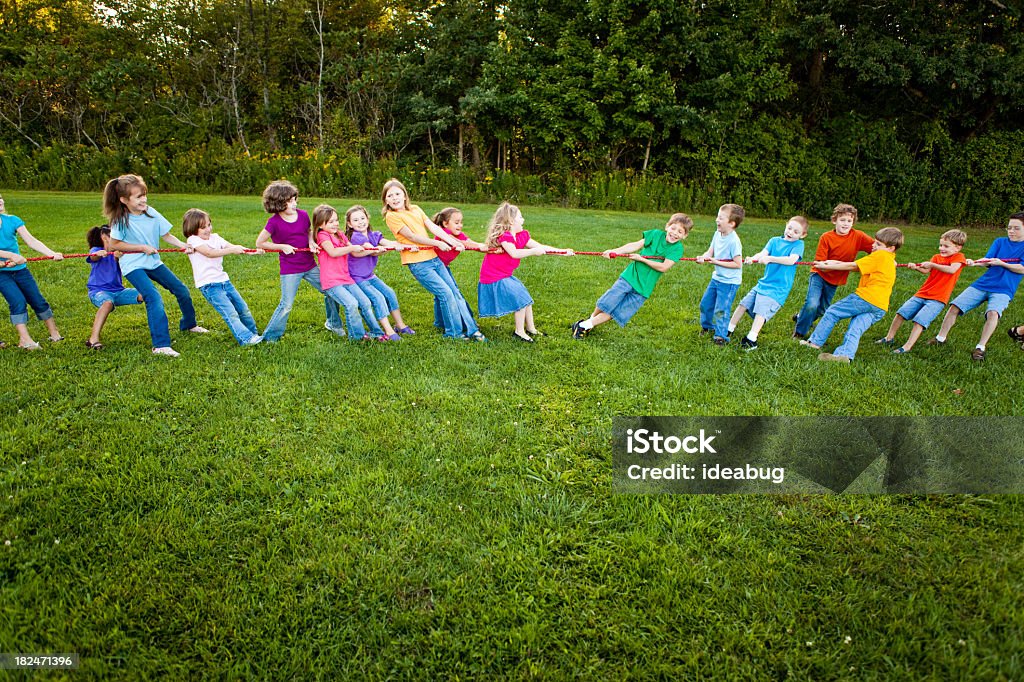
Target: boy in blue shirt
726	254
996	287
780	255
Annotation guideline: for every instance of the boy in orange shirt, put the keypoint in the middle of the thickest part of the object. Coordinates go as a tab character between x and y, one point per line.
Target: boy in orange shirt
868	303
922	308
843	243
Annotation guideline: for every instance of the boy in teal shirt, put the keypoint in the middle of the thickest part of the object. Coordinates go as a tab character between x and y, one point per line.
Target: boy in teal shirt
636	283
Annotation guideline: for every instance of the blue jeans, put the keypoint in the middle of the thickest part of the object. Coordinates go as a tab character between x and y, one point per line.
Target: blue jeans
436	279
715	305
143	281
819	297
381	296
289	288
862	315
354	301
438	319
226	300
20	290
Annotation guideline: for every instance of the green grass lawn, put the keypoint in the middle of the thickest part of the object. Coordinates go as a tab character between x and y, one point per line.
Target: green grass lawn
434	509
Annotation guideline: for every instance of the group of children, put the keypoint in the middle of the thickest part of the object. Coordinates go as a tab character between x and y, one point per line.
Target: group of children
340	262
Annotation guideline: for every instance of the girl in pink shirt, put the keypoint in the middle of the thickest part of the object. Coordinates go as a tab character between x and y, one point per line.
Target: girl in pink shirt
450	220
499	292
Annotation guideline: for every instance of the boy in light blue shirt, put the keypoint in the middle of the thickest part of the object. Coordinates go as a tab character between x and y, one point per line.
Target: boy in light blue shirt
726	254
780	255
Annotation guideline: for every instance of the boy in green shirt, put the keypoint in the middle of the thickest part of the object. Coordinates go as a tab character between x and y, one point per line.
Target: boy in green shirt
636	283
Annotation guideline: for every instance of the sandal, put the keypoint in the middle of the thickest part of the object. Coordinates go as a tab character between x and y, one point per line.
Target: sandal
1015	335
407	330
535	332
94	346
524	339
55	339
29	346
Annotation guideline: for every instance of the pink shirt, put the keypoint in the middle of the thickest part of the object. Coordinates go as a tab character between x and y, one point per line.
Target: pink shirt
498	266
333	269
448	256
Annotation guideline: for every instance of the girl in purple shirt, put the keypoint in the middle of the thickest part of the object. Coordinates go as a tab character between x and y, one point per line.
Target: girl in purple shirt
362	266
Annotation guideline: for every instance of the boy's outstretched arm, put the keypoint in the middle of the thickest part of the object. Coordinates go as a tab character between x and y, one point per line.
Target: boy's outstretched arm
631	247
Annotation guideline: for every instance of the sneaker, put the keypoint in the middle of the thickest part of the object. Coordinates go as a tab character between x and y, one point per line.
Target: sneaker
578	332
393	337
199	330
720	340
978	354
805	342
899	351
166	350
747	344
798	335
828	357
705	332
885	341
1015	335
335	330
477	336
253	341
934	341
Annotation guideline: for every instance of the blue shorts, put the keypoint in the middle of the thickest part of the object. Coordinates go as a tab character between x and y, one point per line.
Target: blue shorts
118	298
759	304
970	298
621	302
922	311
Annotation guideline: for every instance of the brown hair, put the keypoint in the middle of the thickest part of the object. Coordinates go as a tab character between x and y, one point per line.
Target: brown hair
193	221
958	237
682	220
322	214
351	212
802	222
842	209
736	214
117	189
94	236
393	182
890	236
444	215
277	195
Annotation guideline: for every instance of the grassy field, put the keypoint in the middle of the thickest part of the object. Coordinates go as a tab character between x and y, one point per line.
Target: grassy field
432	509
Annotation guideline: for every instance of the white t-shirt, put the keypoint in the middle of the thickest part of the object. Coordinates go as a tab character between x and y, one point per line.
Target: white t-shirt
207	270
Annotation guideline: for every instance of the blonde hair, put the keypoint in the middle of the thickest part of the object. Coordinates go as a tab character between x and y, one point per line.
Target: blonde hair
890	236
193	221
120	188
958	237
351	212
682	220
500	223
393	182
802	222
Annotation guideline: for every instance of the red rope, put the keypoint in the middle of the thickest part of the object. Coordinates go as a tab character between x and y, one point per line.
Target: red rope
555	252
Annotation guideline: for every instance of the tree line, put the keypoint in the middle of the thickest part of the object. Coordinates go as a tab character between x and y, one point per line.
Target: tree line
911	109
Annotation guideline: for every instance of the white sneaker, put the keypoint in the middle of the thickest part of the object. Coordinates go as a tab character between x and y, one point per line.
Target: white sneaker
199	330
166	350
340	331
253	341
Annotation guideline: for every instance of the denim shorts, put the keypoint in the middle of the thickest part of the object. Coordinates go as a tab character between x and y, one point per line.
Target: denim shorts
970	298
621	302
759	304
118	298
922	311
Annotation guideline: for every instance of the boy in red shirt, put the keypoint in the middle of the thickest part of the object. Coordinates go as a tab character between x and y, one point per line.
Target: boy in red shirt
922	308
843	243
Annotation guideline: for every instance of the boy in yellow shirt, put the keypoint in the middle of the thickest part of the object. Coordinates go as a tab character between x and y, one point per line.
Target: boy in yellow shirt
868	303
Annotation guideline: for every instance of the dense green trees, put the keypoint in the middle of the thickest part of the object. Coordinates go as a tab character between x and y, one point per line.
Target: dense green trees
911	109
